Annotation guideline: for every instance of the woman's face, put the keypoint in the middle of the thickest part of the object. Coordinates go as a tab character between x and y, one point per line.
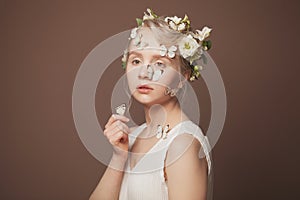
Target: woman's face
149	73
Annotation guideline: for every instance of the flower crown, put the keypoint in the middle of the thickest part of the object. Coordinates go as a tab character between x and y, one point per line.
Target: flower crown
191	46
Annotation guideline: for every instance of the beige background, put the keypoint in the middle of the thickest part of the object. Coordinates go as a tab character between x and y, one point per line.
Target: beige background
255	45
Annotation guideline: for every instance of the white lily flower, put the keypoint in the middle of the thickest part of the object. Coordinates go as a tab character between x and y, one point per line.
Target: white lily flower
188	46
204	33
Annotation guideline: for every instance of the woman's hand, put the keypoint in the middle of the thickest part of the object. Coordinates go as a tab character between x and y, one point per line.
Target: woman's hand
117	132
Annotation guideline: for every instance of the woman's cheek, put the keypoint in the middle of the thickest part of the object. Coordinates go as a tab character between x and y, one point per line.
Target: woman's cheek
132	78
170	78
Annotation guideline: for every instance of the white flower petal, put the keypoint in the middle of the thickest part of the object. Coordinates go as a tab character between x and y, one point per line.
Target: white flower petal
173	25
181	26
188	46
204	33
176	19
167	19
148	15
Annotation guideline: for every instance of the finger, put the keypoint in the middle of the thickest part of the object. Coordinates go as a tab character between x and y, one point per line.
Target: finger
110	134
115	140
116	125
115	117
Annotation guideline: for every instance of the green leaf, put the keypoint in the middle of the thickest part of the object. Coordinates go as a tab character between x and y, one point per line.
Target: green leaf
139	21
123	65
207	43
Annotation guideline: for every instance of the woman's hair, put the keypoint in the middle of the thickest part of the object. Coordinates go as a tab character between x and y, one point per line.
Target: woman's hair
168	37
175	36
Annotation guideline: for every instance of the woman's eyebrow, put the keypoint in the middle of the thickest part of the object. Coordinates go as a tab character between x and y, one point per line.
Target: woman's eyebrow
157	56
162	57
134	53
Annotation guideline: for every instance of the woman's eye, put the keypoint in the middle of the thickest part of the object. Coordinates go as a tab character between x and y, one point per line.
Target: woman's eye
136	62
160	64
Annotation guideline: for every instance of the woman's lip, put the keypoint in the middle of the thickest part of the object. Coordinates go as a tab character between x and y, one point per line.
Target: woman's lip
144	87
144	90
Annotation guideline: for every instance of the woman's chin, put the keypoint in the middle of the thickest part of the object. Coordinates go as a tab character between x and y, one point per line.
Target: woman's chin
148	100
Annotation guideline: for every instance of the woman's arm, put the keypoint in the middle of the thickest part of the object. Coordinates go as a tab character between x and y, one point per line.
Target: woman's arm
109	186
187	176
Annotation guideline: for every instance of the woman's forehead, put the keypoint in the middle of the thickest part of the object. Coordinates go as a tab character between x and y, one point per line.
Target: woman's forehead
153	52
144	38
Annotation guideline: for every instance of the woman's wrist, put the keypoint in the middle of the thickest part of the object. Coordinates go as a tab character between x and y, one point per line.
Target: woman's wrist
118	161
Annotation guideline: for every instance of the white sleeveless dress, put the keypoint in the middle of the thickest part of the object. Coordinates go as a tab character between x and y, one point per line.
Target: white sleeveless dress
146	180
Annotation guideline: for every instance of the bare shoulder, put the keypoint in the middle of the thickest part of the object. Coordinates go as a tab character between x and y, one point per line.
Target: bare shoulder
183	144
184	166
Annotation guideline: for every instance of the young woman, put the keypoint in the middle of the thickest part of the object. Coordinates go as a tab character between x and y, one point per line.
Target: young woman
167	157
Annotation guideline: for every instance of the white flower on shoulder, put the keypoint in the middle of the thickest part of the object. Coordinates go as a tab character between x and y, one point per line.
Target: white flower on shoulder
169	52
149	14
133	33
188	46
204	33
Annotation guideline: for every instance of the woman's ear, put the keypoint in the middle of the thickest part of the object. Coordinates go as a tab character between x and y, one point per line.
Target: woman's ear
187	74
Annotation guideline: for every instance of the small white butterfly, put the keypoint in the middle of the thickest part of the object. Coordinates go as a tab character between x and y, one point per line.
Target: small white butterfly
157	74
120	110
150	71
159	131
166	129
137	40
169	52
154	75
162	132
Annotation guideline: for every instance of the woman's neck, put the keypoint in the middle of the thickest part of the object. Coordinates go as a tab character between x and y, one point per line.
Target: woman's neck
158	114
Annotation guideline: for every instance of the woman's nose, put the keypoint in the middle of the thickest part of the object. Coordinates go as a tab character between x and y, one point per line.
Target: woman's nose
145	72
